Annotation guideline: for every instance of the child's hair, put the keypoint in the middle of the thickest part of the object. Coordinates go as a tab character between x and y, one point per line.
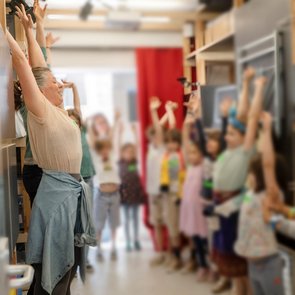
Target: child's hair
173	135
150	132
101	144
76	115
256	168
127	146
214	135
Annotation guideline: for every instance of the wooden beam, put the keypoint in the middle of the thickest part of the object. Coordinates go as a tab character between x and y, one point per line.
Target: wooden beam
98	25
200	34
174	15
3	14
201	71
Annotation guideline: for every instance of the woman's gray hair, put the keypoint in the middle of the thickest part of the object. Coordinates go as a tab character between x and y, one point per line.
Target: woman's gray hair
41	75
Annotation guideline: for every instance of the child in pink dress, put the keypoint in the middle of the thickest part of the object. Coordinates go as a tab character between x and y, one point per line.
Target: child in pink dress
192	221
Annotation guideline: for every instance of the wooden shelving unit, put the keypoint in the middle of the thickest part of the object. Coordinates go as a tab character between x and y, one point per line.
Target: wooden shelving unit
214	47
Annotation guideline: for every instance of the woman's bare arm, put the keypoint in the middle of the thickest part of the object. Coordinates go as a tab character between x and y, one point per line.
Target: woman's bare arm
243	106
76	96
35	53
50	41
40	14
255	113
31	92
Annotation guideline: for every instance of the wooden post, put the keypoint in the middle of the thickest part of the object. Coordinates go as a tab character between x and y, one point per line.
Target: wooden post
200	34
201	70
293	29
3	14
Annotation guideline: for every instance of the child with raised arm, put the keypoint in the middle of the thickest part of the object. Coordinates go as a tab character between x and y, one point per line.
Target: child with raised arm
172	169
229	178
131	189
256	238
107	197
155	152
211	147
192	221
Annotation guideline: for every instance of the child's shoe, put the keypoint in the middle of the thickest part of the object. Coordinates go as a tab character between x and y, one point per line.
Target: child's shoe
221	286
175	265
137	246
159	259
202	275
114	255
189	267
168	260
212	277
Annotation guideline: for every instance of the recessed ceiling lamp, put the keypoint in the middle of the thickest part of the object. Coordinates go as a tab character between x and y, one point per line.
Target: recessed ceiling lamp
74	17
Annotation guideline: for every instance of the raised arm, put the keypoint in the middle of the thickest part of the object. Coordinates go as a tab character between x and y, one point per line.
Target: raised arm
225	107
170	107
255	112
50	41
76	96
135	134
40	14
268	159
155	103
194	114
32	95
36	57
243	105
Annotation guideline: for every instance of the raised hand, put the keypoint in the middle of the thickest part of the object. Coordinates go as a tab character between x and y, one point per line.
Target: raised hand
171	105
249	73
225	106
51	40
155	103
117	115
39	12
193	105
25	18
67	84
260	81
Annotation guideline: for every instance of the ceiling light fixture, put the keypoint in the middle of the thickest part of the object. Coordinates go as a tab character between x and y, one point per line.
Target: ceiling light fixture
74	17
156	19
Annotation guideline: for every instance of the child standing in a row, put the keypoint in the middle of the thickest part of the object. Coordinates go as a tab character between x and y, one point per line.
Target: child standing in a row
131	189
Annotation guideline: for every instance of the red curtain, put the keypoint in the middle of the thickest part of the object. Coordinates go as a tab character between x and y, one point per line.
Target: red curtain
157	73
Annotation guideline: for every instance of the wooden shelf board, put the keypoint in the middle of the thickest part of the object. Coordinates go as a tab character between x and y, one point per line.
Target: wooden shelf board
191	56
225	43
223	47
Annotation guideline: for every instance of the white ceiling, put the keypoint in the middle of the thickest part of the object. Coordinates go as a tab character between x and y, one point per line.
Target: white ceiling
157	5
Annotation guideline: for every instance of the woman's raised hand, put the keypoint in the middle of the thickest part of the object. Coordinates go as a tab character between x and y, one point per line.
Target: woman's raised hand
25	18
51	40
39	12
67	84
